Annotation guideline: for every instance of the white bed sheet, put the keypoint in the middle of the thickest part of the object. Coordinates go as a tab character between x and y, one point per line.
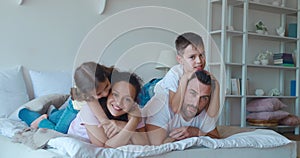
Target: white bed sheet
246	144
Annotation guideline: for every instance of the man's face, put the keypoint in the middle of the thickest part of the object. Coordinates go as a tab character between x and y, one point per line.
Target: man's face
196	98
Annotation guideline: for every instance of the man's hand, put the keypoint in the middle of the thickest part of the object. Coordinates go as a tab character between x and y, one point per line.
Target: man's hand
184	132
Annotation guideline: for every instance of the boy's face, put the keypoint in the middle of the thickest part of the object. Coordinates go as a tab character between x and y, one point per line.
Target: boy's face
192	59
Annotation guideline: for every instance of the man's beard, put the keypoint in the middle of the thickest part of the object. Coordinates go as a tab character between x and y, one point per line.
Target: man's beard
187	112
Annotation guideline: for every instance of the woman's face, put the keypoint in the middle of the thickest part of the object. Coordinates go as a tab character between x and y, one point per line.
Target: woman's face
121	98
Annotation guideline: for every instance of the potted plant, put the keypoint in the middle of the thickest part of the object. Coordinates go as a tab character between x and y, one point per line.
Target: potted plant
264	57
261	28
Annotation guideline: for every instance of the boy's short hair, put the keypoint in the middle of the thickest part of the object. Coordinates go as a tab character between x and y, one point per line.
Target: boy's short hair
186	39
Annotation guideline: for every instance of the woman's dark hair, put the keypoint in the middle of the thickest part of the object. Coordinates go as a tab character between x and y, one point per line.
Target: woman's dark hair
87	77
131	78
116	77
186	39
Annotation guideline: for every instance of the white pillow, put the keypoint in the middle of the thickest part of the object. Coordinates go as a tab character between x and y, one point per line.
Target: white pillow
13	91
45	83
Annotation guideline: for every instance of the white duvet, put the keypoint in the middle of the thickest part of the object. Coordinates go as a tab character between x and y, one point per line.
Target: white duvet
260	138
257	139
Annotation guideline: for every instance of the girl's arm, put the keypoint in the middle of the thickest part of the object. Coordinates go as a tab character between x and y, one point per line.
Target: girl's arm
97	110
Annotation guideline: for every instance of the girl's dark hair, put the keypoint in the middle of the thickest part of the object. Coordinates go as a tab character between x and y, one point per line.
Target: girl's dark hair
87	77
186	39
116	77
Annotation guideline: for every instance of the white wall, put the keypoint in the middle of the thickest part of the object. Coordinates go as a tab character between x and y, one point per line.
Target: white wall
46	34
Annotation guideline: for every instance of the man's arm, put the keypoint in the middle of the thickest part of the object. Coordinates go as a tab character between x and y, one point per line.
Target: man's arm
156	134
187	132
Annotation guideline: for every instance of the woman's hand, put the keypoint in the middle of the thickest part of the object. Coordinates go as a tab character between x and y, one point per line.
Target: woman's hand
112	127
134	112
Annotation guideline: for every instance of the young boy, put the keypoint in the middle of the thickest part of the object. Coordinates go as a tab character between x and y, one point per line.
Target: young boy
169	91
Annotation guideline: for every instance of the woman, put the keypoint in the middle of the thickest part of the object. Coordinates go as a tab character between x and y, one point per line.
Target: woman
119	105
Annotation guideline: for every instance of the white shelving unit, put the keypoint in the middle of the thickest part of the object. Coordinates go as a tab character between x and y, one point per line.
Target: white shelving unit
240	46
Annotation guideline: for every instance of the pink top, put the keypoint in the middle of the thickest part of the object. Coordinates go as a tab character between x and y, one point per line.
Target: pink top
86	116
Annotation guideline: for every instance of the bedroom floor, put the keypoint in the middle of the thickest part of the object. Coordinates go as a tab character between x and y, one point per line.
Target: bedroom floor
292	136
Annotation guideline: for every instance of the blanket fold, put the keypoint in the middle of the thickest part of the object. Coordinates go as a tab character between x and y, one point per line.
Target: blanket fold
36	138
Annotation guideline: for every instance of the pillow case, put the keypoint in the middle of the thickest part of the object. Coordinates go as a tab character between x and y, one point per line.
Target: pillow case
267	104
45	83
42	104
13	92
291	120
274	115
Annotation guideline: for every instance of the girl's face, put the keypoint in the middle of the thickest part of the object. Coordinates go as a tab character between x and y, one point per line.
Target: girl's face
102	89
121	98
192	59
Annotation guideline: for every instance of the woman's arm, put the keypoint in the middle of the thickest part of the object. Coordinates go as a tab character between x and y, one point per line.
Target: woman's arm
96	135
124	136
140	137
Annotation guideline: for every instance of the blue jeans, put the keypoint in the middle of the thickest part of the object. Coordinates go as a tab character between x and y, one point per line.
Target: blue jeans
58	120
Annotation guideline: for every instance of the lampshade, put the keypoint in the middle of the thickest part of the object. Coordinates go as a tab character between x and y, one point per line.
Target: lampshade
166	59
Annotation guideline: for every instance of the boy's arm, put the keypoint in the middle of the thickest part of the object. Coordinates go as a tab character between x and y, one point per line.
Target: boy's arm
214	104
176	98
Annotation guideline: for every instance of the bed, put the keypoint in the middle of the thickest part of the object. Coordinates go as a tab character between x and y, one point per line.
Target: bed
236	142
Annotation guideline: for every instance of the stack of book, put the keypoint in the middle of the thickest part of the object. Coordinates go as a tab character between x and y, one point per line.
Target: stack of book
283	59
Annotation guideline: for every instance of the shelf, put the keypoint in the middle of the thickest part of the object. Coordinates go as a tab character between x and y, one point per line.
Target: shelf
233	96
271	67
238	47
253	35
270	127
260	7
229	32
270	8
265	96
233	64
230	2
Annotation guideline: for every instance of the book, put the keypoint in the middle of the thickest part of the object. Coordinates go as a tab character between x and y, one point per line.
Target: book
235	86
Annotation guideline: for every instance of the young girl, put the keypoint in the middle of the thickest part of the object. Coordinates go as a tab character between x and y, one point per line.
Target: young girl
92	82
119	105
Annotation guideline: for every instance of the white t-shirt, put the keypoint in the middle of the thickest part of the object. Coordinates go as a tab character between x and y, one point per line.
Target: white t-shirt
161	91
166	119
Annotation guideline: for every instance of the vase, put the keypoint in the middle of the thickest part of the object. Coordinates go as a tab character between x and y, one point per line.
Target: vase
260	32
264	62
256	62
